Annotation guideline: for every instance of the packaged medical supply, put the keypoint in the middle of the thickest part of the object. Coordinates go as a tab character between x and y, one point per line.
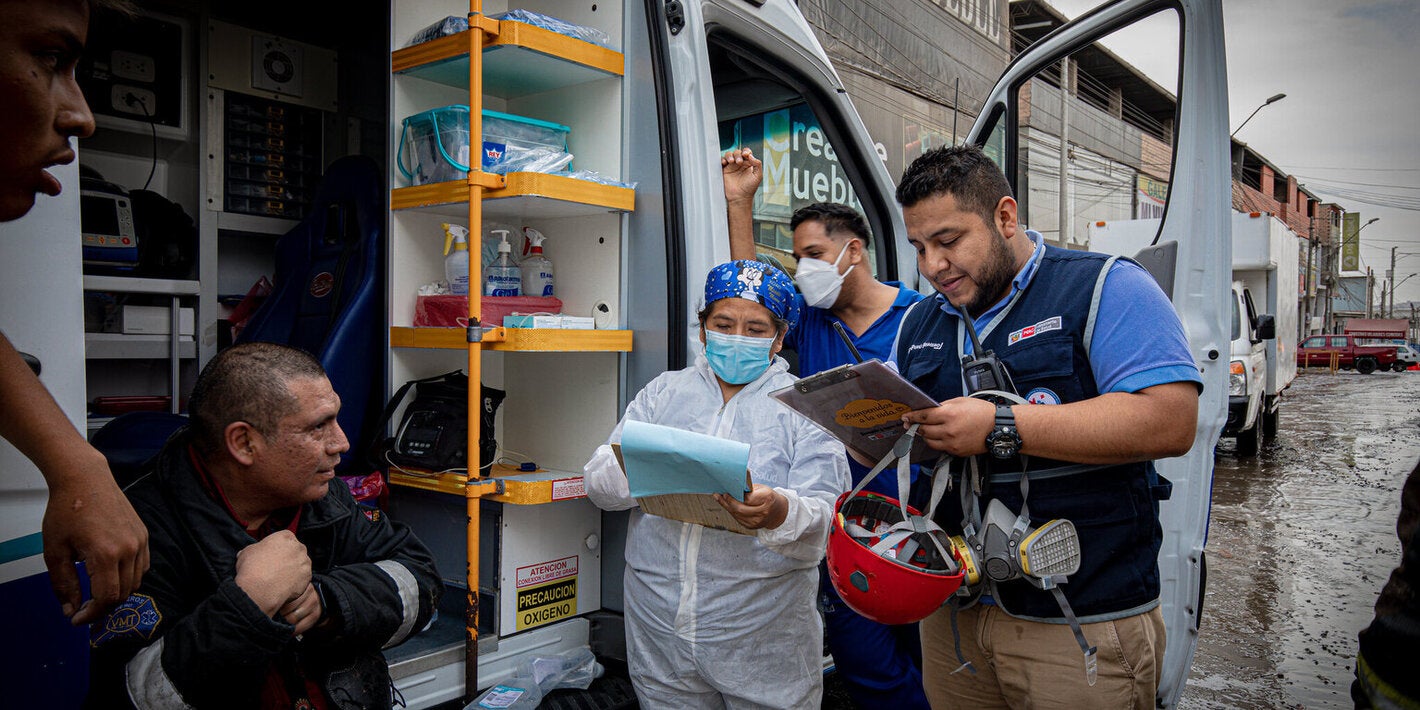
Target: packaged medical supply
446	311
455	24
434	145
556	322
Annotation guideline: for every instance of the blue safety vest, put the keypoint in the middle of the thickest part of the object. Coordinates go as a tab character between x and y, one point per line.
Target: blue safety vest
1042	337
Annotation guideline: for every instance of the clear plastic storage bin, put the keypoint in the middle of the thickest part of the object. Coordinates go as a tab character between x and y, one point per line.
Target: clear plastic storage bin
437	145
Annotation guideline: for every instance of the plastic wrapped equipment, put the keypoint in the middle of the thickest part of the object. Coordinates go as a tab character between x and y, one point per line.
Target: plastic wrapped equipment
453	25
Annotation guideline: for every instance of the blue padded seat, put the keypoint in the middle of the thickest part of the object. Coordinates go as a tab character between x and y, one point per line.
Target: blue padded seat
328	294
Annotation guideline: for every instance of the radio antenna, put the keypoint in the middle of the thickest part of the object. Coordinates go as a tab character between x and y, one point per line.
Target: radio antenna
971	332
848	341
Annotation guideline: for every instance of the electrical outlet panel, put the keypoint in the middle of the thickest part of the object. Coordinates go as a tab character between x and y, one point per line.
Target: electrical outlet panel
131	65
133	100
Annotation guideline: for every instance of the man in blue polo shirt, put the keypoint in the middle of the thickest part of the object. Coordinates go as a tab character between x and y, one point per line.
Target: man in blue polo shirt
879	664
1098	341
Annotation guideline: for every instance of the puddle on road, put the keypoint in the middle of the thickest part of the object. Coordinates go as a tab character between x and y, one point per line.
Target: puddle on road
1300	541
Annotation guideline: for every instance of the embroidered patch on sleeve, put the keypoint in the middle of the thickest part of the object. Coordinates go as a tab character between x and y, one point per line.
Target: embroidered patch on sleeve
136	617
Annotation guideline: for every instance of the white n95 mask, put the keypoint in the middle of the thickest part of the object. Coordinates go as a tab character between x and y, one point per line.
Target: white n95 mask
820	281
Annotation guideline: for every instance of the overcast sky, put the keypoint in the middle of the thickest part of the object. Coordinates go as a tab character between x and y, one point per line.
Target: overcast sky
1349	128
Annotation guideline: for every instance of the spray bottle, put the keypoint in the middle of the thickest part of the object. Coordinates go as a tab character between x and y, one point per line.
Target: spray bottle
456	258
502	277
537	269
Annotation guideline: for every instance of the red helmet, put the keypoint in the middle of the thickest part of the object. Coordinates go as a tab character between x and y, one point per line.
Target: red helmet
905	581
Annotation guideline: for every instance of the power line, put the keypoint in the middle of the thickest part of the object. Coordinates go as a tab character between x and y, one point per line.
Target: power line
1329	181
1337	167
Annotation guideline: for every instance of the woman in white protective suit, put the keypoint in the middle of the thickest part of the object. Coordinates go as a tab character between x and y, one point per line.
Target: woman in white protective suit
716	619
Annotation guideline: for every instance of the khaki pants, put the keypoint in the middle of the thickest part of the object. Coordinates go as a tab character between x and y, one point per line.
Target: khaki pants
1026	664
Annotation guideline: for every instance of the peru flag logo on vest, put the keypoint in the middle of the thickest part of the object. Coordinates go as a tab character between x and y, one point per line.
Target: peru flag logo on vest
1030	331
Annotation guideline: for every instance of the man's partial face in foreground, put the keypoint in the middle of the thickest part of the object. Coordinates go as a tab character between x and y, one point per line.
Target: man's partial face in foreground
40	44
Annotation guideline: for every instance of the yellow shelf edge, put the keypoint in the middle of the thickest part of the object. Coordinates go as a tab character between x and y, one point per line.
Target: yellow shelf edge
450	483
537	39
438	193
446	338
515	492
510	34
550	340
434	51
516	339
561	187
552	187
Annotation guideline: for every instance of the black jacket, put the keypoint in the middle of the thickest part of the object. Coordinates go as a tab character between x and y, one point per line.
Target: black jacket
1387	646
191	637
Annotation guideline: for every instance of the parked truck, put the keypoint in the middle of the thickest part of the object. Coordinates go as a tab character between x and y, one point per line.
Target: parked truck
1263	300
1345	352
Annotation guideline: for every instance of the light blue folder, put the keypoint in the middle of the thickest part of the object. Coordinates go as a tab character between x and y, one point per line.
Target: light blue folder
661	460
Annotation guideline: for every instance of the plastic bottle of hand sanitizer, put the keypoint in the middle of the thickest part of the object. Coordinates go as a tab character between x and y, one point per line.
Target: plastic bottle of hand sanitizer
456	258
502	277
537	269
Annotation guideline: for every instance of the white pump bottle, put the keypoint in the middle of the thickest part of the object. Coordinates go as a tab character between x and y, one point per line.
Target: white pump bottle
502	277
537	269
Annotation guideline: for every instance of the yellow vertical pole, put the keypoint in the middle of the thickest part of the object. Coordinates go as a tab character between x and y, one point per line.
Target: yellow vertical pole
475	291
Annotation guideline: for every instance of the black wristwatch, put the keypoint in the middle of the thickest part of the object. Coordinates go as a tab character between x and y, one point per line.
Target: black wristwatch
1003	442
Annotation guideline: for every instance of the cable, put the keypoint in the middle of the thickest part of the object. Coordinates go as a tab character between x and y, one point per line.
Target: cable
1362	184
152	124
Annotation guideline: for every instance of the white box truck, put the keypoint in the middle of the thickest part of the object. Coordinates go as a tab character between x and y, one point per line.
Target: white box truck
1262	363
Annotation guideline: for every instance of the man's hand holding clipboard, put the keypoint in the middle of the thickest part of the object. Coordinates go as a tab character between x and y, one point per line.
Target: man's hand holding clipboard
860	405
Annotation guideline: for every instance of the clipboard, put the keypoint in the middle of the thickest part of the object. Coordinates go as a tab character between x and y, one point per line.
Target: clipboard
860	405
697	508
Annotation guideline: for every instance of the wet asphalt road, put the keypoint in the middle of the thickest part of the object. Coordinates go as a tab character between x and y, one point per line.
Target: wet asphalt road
1301	540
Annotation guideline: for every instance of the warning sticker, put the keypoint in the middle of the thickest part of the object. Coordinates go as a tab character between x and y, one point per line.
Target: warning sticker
544	572
547	603
569	488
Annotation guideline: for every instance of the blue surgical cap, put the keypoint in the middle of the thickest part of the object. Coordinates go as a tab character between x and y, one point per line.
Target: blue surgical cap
755	281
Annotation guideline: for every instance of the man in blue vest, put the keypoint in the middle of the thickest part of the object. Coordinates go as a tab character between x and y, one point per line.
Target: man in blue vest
1097	344
880	665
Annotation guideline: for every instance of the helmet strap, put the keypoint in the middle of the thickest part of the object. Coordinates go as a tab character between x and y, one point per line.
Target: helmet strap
956	644
971	527
911	525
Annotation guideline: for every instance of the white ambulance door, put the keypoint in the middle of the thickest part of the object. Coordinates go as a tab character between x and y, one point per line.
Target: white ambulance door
1012	127
728	74
41	313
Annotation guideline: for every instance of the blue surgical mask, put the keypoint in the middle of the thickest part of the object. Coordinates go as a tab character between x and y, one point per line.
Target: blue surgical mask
737	359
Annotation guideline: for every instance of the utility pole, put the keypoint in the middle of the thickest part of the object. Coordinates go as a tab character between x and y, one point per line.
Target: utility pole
1308	292
1370	290
1390	276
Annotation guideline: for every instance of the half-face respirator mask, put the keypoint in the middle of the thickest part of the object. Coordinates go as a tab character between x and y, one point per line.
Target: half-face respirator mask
1006	549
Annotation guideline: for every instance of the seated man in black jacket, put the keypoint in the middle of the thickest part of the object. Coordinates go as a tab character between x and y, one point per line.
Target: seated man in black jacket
268	587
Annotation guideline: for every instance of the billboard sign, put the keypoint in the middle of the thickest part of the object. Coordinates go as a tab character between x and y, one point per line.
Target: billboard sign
1351	242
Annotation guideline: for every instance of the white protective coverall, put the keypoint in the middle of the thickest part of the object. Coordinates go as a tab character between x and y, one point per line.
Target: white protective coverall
716	619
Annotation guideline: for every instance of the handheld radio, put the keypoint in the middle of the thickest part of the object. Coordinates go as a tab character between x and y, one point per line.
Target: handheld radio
982	369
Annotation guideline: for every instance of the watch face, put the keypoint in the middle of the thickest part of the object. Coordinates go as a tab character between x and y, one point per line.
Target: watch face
1004	443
